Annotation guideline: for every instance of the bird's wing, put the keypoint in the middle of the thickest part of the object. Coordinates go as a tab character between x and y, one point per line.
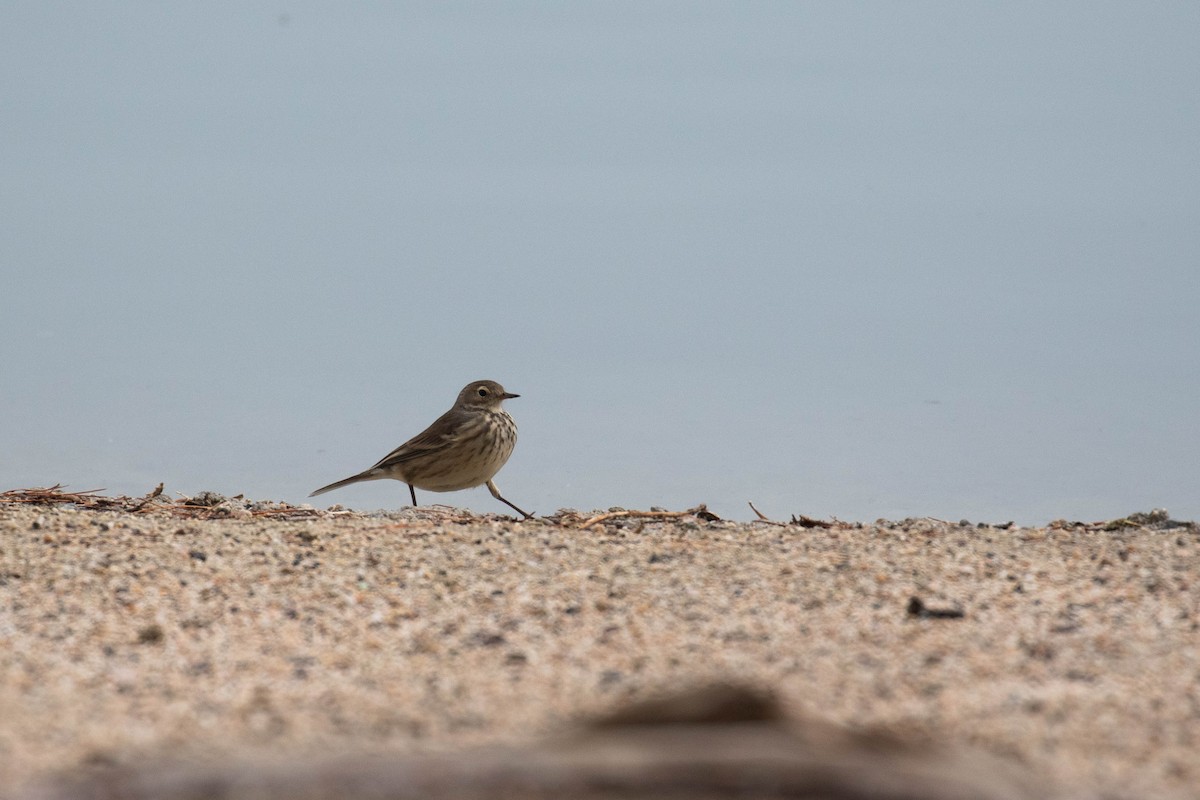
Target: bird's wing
438	436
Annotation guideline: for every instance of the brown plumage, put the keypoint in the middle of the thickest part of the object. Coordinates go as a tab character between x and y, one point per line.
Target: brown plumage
463	448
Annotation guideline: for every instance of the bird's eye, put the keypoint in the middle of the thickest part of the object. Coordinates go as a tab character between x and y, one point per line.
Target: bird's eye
483	392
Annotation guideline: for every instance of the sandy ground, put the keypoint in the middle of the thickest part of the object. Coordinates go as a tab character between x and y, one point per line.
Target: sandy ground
130	637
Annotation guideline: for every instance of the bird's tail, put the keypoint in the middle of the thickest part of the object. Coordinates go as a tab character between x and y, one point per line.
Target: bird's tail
369	475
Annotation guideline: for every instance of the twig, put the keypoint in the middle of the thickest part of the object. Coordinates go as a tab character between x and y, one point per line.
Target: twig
185	507
763	517
53	495
157	491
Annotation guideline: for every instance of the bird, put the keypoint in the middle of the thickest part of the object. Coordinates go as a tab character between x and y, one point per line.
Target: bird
463	448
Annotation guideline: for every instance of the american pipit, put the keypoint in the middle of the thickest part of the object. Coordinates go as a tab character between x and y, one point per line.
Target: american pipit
464	448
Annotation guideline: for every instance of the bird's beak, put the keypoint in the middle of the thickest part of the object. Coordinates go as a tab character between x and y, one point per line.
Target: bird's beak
508	396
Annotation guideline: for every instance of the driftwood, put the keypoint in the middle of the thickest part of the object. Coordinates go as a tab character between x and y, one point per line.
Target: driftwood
706	743
797	521
700	512
206	505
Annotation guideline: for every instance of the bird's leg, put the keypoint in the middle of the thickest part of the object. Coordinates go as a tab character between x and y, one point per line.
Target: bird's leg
413	492
496	494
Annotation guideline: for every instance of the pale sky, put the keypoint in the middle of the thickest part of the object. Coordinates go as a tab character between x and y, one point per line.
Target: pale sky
862	260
